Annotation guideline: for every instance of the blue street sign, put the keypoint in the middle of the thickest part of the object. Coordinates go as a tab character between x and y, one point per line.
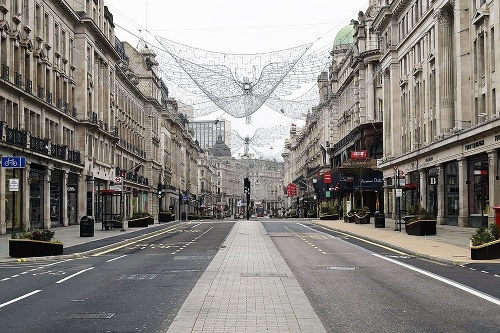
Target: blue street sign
13	162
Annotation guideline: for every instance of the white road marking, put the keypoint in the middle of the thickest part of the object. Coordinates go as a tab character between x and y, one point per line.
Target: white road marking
19	298
445	280
77	273
110	260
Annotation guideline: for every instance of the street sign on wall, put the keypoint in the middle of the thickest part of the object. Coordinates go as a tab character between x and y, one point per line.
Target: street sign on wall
13	162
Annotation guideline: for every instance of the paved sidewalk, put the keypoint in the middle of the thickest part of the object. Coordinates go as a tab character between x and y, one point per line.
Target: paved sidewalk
73	243
247	287
450	245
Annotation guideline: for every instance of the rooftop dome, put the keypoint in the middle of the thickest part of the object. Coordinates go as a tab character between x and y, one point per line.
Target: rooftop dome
220	149
345	36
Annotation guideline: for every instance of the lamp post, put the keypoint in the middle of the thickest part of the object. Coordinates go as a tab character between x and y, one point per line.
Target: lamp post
316	195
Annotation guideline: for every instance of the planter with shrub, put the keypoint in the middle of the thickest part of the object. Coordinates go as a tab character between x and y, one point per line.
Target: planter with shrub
421	224
140	220
485	243
34	243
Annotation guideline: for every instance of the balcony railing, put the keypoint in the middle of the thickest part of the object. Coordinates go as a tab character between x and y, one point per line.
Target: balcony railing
58	151
29	86
40	92
74	156
49	97
18	79
16	137
5	72
39	145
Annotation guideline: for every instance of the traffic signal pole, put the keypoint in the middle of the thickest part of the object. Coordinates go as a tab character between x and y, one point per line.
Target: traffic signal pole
246	189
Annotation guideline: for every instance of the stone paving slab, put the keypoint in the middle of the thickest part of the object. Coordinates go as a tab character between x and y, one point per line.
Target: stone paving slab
248	287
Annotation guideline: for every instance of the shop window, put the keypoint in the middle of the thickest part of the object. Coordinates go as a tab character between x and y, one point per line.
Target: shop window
451	193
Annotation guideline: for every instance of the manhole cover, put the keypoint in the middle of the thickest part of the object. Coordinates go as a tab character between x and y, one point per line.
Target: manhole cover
263	274
102	315
137	277
341	268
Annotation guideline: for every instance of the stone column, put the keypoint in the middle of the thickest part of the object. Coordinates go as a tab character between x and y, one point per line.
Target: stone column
440	194
445	70
64	198
493	186
463	212
46	199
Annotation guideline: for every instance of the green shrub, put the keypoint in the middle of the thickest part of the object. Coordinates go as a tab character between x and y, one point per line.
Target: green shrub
34	234
483	236
138	215
422	214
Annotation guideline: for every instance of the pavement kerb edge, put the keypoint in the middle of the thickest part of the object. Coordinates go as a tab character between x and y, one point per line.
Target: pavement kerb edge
399	248
86	253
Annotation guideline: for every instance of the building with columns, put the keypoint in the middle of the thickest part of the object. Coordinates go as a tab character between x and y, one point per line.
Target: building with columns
86	125
414	93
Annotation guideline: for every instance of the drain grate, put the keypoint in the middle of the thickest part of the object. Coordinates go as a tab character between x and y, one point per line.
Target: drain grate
341	268
101	315
263	274
137	277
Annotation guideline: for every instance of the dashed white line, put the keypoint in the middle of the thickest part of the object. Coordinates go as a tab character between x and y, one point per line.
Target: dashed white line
19	298
110	260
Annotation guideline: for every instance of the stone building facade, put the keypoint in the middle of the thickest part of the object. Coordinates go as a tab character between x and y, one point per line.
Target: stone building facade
414	92
86	125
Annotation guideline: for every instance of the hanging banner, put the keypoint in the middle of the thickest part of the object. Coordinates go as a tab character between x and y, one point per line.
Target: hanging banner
327	178
291	190
359	155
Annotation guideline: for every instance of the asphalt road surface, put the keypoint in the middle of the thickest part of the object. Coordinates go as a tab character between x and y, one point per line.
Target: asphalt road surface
136	288
355	286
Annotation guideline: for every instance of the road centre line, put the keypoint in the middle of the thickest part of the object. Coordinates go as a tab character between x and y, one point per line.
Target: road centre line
137	241
19	298
73	275
444	280
110	260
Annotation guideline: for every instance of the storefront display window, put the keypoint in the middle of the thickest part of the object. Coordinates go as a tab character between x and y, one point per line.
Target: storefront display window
478	191
451	194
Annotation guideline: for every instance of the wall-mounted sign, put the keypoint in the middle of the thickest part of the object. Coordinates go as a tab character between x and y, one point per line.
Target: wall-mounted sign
13	185
13	162
432	180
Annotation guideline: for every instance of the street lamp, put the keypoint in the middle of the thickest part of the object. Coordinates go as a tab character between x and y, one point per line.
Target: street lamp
316	195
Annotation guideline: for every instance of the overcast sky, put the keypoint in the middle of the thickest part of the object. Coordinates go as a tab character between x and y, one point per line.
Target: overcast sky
232	26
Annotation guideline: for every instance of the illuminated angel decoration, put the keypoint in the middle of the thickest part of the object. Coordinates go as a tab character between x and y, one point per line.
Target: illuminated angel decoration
240	84
262	137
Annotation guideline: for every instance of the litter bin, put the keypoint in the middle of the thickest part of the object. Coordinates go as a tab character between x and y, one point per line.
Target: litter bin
87	226
379	219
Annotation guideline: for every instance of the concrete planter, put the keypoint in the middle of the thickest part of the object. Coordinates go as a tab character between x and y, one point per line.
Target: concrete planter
24	248
485	251
361	219
139	222
330	217
421	227
165	217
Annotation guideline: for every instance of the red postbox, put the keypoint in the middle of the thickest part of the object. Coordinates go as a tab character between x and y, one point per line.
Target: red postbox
497	215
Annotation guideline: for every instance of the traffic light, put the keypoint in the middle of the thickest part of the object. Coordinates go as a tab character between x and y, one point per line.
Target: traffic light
246	185
160	193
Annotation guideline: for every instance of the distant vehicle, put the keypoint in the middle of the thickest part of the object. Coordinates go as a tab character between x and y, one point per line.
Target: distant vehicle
259	210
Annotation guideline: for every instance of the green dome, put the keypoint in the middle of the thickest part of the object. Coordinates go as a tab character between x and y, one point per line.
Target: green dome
345	36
